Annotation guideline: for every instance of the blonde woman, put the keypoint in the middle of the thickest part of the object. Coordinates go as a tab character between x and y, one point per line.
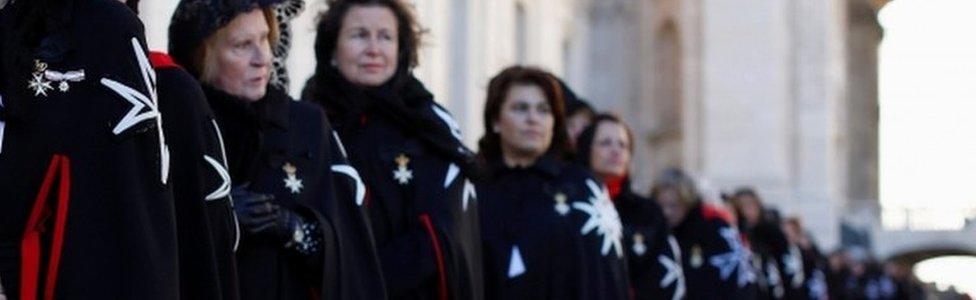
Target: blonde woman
304	233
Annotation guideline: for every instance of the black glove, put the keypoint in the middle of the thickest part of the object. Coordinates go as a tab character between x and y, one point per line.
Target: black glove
259	215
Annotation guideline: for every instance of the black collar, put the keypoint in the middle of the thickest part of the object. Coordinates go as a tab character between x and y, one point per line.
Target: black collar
272	110
546	165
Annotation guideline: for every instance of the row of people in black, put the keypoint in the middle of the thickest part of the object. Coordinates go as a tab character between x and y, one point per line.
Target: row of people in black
128	174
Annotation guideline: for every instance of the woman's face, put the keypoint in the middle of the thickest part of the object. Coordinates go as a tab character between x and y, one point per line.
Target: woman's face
671	205
243	57
610	154
367	49
525	122
750	209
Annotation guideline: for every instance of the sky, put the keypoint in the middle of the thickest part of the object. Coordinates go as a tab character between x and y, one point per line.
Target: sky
928	112
928	124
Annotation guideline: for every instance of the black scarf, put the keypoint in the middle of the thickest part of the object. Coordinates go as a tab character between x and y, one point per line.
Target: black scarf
404	100
242	124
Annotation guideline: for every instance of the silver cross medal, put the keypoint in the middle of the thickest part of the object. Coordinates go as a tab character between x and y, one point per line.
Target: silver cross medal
561	207
292	182
402	175
38	83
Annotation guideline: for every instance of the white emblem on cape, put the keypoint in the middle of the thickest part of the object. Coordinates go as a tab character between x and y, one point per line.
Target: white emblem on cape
342	148
223	154
140	101
603	218
817	285
675	274
774	279
793	266
352	173
224	189
737	258
451	123
516	266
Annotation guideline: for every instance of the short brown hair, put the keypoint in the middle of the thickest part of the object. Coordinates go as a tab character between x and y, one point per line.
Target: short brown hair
204	60
490	143
330	23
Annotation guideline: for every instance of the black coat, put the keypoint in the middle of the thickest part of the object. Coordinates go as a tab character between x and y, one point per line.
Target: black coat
779	263
716	263
550	231
422	206
106	228
206	226
653	255
770	250
264	140
816	273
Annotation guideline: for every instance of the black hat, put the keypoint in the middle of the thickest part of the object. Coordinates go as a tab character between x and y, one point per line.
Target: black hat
195	20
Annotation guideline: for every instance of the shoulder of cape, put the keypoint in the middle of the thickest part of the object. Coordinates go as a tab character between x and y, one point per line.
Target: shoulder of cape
305	112
110	18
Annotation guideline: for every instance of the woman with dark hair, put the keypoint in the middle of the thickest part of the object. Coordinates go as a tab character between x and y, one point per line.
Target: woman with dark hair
422	205
654	259
550	230
780	261
304	233
579	113
815	267
84	164
716	263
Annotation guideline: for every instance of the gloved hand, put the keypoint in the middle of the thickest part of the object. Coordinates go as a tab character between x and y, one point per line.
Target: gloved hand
259	215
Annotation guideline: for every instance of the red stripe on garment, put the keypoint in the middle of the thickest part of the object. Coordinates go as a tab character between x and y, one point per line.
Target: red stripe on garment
30	245
425	219
710	212
60	220
160	60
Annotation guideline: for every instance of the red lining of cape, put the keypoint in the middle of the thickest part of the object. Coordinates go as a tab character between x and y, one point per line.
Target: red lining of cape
31	243
435	242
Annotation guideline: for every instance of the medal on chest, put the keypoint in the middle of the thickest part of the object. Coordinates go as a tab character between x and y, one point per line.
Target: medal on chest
639	247
402	174
42	78
38	83
64	78
696	257
561	206
292	182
